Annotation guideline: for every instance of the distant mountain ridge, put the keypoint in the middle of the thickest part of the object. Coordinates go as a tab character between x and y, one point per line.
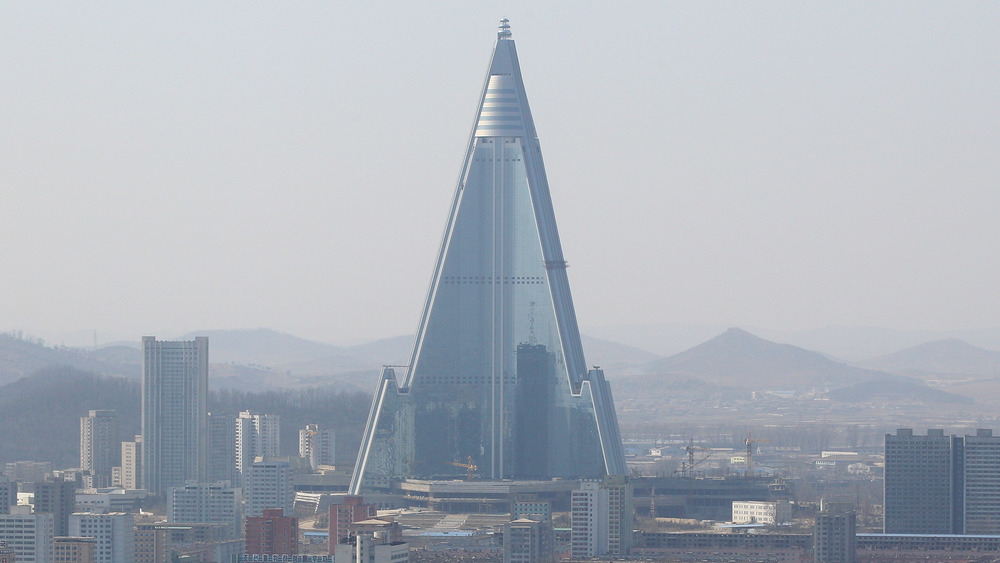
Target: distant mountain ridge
261	346
942	358
737	361
853	343
737	358
261	359
20	357
264	359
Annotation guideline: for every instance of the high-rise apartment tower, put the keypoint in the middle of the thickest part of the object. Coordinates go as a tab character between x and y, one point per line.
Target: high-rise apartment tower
318	445
269	485
497	377
29	536
222	445
174	412
99	445
56	497
601	517
132	463
257	435
938	484
217	503
114	533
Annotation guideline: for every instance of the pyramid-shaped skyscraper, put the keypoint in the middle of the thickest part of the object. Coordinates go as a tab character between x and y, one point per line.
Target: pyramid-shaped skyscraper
497	377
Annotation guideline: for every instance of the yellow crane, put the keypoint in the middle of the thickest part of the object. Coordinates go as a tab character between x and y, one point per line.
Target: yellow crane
470	468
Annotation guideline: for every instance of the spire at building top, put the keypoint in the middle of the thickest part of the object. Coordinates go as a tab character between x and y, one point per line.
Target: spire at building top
504	29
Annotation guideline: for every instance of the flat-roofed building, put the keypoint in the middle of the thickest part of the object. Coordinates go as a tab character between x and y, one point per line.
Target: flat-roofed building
835	535
601	516
217	503
527	541
222	445
778	548
938	484
174	412
155	542
114	533
58	497
351	509
29	536
8	494
373	541
70	549
761	512
272	532
100	448
269	485
924	547
131	467
257	435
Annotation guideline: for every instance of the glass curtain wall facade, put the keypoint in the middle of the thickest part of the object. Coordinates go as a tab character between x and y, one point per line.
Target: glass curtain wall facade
497	377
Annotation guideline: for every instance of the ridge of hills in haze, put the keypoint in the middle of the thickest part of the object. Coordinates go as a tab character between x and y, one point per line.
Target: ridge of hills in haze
737	358
852	343
20	356
265	359
260	358
942	358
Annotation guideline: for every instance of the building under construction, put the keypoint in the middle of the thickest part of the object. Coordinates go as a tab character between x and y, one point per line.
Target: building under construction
702	498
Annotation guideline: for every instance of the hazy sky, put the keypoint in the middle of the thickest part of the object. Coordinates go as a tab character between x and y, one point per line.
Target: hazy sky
176	166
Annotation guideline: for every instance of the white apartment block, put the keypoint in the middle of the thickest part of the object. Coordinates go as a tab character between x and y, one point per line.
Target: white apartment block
372	548
99	445
601	515
132	464
113	533
527	541
217	503
257	435
761	512
29	536
317	445
269	485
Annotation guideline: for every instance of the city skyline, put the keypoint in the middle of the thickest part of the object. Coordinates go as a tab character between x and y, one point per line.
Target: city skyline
790	166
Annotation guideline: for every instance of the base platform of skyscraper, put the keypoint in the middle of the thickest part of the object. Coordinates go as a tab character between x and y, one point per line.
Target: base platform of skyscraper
482	496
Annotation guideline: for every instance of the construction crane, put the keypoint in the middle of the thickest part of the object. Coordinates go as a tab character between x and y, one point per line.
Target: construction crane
470	468
750	441
690	448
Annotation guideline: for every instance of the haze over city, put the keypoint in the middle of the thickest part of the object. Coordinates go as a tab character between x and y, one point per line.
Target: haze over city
170	168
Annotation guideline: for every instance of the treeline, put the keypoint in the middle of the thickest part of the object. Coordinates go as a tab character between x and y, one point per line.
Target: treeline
40	414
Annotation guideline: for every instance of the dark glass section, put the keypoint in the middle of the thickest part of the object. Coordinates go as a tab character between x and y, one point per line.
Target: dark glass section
958	485
535	388
447	432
